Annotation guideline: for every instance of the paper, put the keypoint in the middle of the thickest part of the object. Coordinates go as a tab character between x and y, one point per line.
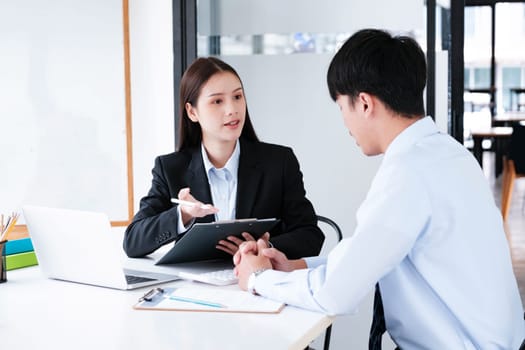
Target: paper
212	299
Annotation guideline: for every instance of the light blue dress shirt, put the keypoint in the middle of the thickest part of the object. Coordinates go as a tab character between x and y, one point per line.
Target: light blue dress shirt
223	183
429	231
223	186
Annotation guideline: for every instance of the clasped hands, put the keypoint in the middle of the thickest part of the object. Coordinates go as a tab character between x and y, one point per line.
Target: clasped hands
253	256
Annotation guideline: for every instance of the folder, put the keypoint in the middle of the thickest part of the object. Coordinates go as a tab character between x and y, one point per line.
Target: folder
200	241
206	299
20	245
16	261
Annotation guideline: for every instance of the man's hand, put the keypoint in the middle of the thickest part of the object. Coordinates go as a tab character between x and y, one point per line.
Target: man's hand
248	259
277	258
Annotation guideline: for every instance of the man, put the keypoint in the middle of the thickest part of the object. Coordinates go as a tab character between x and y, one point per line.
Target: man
428	233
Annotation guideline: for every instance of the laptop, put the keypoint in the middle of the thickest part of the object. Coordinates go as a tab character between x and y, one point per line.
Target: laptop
78	246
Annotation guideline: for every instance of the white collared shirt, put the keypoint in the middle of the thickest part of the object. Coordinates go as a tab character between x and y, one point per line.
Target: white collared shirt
430	232
223	183
223	186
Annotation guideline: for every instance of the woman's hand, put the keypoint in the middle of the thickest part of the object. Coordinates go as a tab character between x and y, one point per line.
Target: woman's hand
197	211
248	259
231	244
277	258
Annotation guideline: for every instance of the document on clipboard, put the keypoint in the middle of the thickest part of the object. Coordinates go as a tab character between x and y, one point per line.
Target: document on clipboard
200	241
206	299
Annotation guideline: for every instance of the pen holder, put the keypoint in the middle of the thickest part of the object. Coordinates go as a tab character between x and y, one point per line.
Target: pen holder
3	267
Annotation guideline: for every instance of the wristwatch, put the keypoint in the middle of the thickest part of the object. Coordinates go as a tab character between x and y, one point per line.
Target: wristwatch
251	280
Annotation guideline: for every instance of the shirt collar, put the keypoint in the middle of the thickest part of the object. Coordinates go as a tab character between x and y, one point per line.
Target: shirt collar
408	137
232	164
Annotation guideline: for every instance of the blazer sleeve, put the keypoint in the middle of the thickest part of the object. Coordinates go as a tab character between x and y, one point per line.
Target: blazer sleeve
300	237
155	224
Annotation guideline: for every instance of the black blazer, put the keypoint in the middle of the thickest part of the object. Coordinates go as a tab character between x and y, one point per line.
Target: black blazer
269	185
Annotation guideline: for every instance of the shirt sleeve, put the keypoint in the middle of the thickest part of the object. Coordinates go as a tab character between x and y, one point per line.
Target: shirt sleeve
180	225
394	214
315	261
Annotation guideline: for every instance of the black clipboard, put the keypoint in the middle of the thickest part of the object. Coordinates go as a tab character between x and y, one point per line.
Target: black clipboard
199	242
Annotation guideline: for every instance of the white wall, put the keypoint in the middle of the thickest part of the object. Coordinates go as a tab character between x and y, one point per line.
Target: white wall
151	47
62	110
295	109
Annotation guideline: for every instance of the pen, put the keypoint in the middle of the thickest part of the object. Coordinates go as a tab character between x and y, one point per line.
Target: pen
151	294
190	204
196	301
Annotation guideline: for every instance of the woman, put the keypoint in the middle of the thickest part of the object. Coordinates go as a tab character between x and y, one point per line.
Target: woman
220	160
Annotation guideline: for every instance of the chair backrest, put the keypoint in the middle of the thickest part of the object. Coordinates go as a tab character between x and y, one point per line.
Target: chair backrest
517	148
330	240
329	243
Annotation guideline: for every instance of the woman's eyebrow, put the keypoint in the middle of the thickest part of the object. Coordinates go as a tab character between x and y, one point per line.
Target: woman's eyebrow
222	93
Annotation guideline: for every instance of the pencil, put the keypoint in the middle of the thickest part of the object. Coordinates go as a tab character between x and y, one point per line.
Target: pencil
11	223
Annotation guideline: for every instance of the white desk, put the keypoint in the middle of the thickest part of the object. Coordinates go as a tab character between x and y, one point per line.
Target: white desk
40	313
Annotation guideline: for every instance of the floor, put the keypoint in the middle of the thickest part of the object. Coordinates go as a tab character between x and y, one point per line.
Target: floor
515	224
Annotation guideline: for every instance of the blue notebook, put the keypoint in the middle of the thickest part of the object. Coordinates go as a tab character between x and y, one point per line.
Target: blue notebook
20	245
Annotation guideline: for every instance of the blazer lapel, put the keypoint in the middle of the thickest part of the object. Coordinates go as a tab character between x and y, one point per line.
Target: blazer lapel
248	177
198	181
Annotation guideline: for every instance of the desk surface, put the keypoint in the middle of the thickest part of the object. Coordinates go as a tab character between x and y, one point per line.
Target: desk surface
517	90
510	117
496	131
40	313
499	134
480	90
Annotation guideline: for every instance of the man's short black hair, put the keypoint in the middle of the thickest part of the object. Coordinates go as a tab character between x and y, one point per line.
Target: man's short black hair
392	68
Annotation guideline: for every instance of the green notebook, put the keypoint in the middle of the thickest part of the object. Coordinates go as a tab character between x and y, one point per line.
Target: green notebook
16	261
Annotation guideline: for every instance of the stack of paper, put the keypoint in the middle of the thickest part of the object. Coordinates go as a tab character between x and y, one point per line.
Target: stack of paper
206	298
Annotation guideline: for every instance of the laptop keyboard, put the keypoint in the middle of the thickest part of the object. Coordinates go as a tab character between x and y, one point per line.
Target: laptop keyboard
131	279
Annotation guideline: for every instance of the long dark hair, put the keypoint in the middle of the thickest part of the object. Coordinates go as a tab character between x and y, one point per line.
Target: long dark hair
195	76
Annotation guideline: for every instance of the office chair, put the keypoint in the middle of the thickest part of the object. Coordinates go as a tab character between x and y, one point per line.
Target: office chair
513	167
339	236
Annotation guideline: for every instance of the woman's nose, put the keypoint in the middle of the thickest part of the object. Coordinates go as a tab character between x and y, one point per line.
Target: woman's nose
231	108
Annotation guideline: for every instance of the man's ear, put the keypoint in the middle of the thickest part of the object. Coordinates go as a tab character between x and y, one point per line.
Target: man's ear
366	101
192	112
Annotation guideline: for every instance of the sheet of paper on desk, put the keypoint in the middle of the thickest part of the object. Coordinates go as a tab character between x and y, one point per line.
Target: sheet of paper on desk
219	300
